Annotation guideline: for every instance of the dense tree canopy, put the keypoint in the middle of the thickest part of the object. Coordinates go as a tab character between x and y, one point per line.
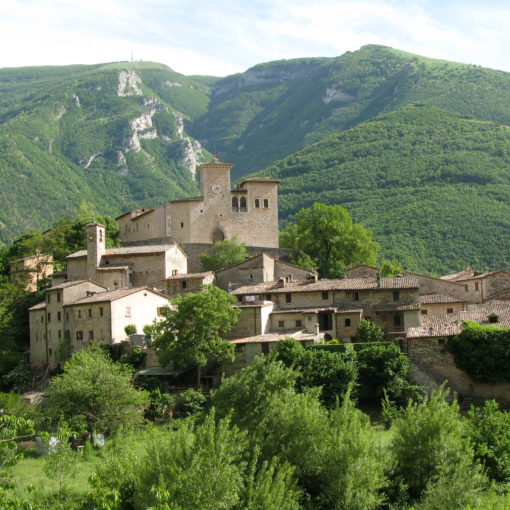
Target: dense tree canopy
224	254
190	333
96	394
327	235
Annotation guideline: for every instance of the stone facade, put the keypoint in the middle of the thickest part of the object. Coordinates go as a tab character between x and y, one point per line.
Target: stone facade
335	307
126	267
249	210
49	322
258	269
182	284
31	270
83	312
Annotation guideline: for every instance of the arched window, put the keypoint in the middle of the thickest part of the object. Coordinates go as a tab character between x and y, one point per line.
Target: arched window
243	204
217	235
235	204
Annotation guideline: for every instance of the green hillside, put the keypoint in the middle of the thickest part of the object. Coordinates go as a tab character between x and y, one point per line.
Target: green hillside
272	110
433	186
111	134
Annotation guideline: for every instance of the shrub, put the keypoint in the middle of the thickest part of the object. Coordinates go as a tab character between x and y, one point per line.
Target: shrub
368	331
130	329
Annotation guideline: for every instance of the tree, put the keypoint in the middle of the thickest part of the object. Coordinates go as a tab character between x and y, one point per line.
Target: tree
224	254
330	240
190	333
430	447
391	268
368	331
489	429
95	392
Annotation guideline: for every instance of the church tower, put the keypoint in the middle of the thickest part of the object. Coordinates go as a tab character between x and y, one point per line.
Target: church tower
95	248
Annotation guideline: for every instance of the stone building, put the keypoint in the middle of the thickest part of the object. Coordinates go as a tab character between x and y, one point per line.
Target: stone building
182	284
248	210
125	267
331	307
258	269
83	312
31	270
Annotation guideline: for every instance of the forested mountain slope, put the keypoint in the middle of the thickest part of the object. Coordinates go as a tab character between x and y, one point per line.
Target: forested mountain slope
433	186
274	109
111	134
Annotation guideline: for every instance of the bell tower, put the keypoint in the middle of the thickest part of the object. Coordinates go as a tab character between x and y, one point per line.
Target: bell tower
95	248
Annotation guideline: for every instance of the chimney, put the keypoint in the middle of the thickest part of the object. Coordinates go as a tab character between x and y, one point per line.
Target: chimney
95	248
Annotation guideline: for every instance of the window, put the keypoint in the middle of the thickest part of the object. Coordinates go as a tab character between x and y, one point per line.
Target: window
182	224
449	310
266	203
396	295
257	203
50	352
79	336
299	323
48	297
58	297
67	334
493	319
251	276
242	204
476	285
79	314
356	296
59	334
265	348
268	297
424	311
128	311
183	284
347	322
101	311
59	316
159	311
397	320
90	312
325	294
281	324
91	335
235	204
288	298
67	316
49	317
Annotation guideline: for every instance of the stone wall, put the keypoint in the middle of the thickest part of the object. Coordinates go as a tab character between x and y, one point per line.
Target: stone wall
430	357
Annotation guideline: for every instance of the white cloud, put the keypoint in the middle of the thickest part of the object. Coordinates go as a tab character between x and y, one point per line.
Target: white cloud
227	36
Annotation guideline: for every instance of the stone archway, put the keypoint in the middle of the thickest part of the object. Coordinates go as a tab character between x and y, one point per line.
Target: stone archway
217	235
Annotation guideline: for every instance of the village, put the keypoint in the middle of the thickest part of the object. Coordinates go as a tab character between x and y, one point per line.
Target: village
104	291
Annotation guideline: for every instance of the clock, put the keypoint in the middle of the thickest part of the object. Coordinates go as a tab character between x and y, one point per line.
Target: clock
216	188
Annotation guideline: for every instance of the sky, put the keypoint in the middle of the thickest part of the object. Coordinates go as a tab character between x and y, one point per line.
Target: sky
222	37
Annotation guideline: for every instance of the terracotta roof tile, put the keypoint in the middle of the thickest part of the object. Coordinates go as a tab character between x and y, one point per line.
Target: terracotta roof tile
112	295
438	298
128	250
38	306
402	282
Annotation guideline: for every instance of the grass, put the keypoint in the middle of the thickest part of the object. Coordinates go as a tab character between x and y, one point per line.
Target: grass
28	473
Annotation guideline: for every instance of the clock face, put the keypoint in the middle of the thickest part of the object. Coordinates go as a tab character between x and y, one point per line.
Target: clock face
216	188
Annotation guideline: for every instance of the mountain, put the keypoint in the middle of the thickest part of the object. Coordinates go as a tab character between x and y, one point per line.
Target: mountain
434	186
275	109
110	134
416	149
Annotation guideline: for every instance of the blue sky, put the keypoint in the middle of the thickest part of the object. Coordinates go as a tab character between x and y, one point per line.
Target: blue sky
221	37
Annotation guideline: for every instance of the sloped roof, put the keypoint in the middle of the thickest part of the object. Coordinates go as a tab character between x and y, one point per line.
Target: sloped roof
453	323
38	306
438	298
72	283
299	335
131	250
190	276
112	295
402	282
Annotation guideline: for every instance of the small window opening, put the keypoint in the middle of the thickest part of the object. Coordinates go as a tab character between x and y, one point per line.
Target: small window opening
347	322
257	203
